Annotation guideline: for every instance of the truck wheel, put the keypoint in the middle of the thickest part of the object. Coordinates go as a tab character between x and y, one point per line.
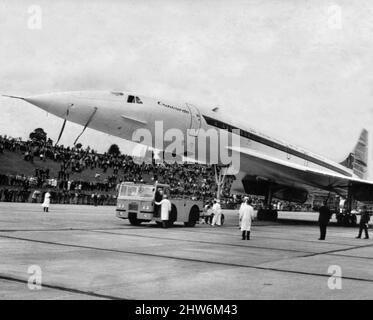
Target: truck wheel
193	217
133	219
222	219
173	216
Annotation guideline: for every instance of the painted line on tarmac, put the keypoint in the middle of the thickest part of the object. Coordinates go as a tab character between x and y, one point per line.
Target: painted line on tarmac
129	227
64	229
199	241
265	237
339	250
349	256
188	259
308	230
234	245
57	287
331	252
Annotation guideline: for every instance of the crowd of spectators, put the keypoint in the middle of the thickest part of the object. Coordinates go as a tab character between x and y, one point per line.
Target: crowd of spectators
259	202
193	180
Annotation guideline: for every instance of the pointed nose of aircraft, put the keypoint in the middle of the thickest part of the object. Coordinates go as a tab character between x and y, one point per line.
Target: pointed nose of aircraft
55	103
74	106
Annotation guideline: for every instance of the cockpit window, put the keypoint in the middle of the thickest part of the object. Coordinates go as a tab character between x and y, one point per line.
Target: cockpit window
133	99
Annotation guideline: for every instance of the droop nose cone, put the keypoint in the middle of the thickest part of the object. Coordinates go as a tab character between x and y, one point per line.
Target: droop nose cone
55	103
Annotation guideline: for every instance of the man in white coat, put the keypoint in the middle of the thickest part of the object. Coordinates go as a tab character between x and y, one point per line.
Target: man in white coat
165	210
243	204
47	201
216	209
246	216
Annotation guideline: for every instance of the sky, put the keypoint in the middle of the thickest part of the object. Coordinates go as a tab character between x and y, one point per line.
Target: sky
299	70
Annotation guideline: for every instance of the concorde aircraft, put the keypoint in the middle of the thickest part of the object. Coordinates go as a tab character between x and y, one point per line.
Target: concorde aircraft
267	166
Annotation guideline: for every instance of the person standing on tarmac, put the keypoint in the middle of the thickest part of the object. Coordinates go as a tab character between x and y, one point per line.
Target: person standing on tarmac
165	205
243	204
47	201
246	216
324	217
34	197
363	225
208	213
216	208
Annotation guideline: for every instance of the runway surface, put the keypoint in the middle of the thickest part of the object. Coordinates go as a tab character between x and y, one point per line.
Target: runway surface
86	252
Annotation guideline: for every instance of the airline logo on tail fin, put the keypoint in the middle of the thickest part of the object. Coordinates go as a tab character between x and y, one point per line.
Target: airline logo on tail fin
358	159
360	166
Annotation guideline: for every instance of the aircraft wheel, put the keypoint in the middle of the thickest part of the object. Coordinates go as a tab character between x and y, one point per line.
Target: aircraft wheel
260	215
274	215
267	215
339	219
353	220
349	220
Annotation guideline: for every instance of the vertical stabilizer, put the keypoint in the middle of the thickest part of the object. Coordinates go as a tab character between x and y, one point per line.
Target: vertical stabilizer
358	159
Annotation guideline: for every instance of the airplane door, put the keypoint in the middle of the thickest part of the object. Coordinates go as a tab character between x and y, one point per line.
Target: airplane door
195	119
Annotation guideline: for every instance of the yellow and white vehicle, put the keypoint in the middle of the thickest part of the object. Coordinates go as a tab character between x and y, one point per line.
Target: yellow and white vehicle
136	202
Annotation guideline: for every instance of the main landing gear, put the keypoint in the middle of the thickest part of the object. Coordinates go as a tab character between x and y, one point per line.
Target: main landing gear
346	219
267	213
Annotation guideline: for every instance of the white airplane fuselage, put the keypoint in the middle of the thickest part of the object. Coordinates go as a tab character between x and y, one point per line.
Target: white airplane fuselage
121	114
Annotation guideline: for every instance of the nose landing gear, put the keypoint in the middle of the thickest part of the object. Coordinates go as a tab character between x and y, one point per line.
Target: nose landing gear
267	213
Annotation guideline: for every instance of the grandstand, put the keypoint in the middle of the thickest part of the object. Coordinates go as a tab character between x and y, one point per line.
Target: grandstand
77	173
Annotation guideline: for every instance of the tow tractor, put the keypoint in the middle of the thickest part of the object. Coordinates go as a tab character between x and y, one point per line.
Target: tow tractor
136	202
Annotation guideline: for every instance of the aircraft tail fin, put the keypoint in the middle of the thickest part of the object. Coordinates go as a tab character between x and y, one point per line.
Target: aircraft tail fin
357	160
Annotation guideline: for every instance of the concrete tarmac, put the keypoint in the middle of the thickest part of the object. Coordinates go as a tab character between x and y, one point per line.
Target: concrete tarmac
85	252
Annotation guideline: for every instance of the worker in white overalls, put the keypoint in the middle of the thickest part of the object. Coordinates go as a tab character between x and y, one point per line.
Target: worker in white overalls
216	209
165	210
47	201
241	208
246	216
